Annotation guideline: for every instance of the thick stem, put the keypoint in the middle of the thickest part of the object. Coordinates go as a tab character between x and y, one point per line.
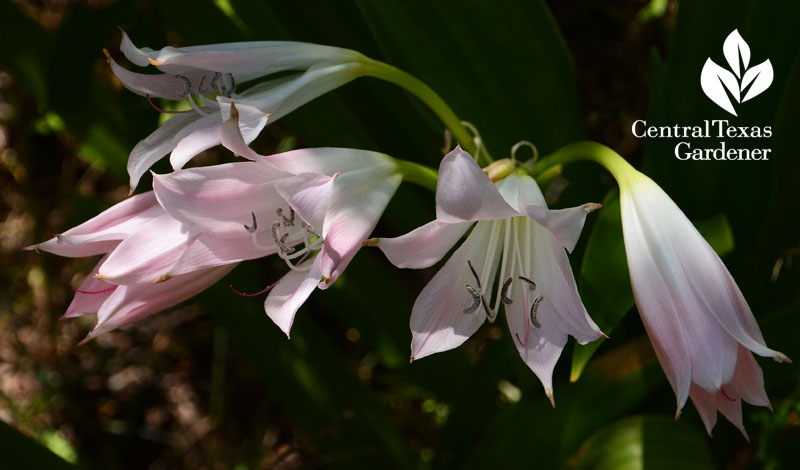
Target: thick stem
620	169
416	87
418	174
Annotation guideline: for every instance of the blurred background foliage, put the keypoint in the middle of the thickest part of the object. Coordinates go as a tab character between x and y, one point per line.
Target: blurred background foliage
214	384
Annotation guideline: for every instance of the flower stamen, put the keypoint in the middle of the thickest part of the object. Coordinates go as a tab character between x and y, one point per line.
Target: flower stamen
504	292
535	310
531	284
254	227
474	274
164	111
477	300
287	221
722	391
262	291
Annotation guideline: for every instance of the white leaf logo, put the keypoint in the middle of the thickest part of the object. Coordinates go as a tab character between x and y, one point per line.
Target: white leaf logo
721	84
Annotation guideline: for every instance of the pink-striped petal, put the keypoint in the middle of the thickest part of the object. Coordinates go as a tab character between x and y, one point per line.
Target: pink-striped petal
245	60
131	303
290	293
149	254
221	199
90	296
207	251
103	232
357	201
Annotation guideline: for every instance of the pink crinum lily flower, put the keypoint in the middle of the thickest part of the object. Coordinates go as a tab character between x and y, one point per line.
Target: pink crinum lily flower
516	240
128	226
701	327
312	207
211	73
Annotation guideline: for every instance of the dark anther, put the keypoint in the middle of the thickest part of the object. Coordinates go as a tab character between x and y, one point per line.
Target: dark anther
253	227
535	310
504	292
477	279
531	284
287	221
476	300
187	86
489	313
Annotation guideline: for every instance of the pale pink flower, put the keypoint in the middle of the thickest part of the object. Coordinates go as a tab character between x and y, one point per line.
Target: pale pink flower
139	238
211	73
700	325
515	233
313	207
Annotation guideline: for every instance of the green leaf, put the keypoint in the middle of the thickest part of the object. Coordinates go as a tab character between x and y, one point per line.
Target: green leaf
604	283
641	442
21	452
717	232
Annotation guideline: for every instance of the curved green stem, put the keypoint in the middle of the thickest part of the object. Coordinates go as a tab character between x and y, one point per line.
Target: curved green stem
619	168
418	174
416	87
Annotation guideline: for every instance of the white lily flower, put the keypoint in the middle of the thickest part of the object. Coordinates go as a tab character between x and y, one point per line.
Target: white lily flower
211	73
700	324
516	240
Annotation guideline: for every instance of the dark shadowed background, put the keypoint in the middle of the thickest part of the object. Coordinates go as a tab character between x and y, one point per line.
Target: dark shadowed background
214	384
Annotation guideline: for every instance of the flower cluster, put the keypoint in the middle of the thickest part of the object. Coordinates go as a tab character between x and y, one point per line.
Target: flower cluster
315	208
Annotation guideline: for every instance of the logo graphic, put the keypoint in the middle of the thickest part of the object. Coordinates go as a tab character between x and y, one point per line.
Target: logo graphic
720	84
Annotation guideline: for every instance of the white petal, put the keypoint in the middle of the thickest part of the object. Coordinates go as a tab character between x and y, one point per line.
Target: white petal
309	194
199	140
547	265
706	404
424	246
221	199
465	193
161	142
328	160
357	202
282	96
290	293
438	321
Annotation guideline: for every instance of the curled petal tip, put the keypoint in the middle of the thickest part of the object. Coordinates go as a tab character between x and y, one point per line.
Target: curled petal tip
155	62
107	54
604	335
549	393
234	112
326	279
370	242
678	415
88	338
100	277
288	336
130	191
781	357
31	248
591	207
163	278
411	359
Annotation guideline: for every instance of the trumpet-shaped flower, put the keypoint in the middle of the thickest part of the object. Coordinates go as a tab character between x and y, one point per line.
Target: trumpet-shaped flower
216	70
137	236
313	207
518	241
701	327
